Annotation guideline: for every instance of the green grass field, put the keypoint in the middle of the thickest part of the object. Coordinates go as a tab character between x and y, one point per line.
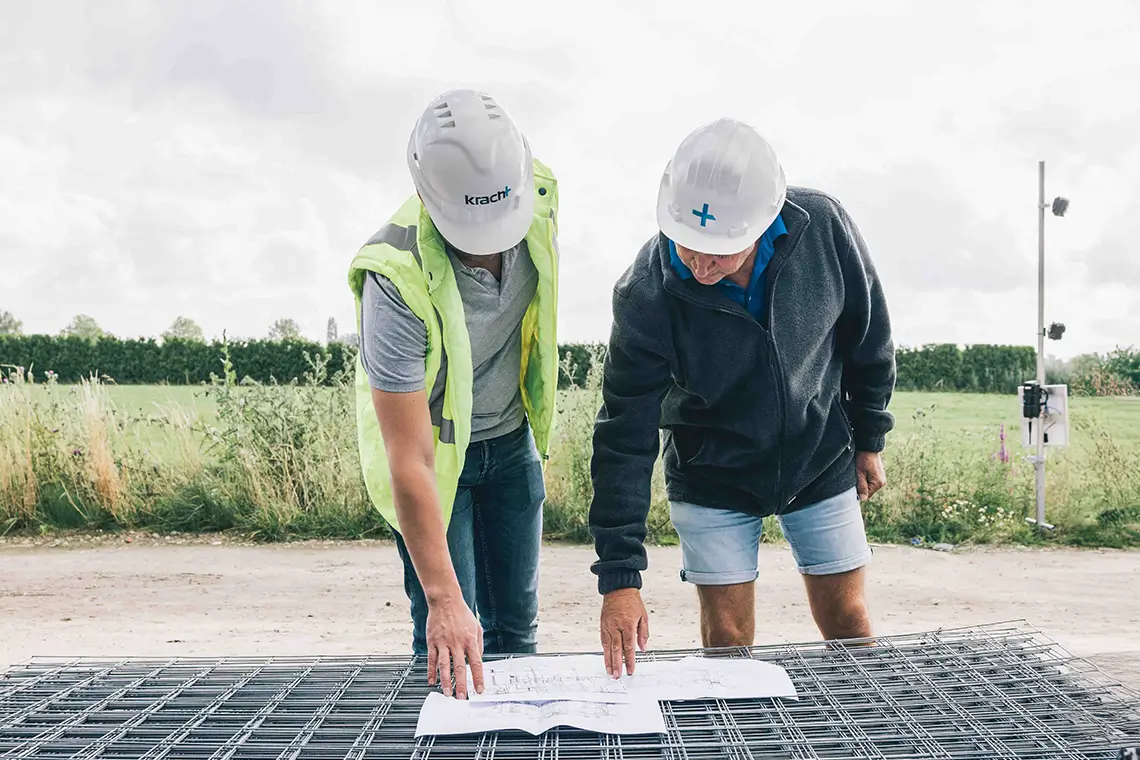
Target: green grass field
972	415
280	463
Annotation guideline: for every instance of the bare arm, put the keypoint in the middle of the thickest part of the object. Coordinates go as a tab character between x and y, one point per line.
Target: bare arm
406	428
454	636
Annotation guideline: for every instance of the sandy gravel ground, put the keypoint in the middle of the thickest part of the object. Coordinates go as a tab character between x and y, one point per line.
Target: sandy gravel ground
163	596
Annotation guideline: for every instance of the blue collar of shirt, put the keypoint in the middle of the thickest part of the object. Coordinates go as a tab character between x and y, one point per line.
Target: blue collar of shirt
751	299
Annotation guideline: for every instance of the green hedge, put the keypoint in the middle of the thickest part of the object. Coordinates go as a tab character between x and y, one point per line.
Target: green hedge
980	368
977	369
174	362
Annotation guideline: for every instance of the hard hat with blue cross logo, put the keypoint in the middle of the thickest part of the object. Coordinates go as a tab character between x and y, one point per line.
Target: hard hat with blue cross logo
721	190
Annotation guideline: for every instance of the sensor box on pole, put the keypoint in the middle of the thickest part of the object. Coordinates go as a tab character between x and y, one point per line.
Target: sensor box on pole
1055	419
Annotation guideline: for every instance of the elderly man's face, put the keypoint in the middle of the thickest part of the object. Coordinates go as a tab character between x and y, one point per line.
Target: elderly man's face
709	269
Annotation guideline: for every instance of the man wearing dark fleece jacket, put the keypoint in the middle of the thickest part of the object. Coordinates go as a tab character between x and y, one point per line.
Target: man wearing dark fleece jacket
753	331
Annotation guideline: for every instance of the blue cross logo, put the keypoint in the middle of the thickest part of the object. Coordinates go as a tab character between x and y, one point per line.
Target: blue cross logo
704	215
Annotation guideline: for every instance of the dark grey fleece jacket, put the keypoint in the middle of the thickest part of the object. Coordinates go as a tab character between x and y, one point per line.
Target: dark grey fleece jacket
760	417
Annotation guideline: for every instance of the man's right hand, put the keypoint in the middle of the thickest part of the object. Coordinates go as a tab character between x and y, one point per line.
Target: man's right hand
624	622
454	639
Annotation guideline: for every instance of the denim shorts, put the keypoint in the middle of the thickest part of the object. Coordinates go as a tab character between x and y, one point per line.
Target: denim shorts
720	547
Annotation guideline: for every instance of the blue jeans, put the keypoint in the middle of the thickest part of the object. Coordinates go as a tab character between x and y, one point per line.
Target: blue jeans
494	539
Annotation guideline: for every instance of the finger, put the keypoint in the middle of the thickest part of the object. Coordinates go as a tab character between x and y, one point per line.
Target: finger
615	652
433	664
475	655
460	674
643	632
861	484
605	635
609	652
876	479
445	670
475	659
629	637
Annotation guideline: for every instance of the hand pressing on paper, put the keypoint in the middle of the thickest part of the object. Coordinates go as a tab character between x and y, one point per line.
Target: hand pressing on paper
454	639
624	622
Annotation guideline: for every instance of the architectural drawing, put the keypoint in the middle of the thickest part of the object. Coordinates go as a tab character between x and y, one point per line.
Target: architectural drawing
442	715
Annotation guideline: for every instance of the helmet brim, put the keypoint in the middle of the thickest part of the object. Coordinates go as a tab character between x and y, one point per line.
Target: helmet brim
486	238
702	242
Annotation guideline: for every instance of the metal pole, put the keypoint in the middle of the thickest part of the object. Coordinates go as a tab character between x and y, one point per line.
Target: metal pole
1039	463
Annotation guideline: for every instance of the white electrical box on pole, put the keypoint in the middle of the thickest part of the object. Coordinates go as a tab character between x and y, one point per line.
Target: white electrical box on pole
1053	423
1045	413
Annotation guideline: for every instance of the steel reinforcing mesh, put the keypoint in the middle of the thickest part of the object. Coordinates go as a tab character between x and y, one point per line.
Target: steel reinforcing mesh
999	691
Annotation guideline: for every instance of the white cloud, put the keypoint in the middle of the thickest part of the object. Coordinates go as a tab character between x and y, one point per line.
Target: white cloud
224	162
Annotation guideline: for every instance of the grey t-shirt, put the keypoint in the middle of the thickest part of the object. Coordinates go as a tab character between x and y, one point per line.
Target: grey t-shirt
393	340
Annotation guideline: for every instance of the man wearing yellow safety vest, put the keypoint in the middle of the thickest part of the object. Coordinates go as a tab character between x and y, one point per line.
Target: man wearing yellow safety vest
456	298
754	331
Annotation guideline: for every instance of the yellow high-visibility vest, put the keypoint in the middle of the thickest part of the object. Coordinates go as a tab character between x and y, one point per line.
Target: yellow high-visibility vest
409	252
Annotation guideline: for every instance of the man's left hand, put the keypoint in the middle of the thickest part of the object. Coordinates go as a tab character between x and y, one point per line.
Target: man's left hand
869	474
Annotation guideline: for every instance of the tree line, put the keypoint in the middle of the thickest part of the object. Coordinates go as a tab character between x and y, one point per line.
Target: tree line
182	361
183	328
182	355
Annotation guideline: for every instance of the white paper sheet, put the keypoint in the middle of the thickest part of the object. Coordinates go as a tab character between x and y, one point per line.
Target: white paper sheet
709	678
442	715
579	678
583	678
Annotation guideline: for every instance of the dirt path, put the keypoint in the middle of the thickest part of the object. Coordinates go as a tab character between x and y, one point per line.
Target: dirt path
155	598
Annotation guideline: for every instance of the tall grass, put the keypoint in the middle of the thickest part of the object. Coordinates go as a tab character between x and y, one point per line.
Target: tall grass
279	461
568	482
286	457
63	461
970	488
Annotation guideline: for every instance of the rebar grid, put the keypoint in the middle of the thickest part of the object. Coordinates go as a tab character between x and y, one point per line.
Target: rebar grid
999	691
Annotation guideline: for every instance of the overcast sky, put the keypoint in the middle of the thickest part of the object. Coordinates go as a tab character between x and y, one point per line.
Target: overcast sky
175	158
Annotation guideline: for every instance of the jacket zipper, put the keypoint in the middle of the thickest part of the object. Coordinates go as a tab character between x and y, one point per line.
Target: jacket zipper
782	494
780	380
777	265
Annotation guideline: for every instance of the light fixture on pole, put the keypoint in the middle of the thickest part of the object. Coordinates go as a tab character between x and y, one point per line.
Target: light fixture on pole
1035	395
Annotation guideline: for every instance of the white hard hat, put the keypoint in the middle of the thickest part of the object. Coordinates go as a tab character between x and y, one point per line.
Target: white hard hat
722	189
472	168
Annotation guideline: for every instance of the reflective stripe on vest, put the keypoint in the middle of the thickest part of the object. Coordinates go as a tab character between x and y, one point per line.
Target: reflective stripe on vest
400	238
404	239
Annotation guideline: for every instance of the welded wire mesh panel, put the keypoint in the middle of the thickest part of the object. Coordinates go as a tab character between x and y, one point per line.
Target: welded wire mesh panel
990	692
